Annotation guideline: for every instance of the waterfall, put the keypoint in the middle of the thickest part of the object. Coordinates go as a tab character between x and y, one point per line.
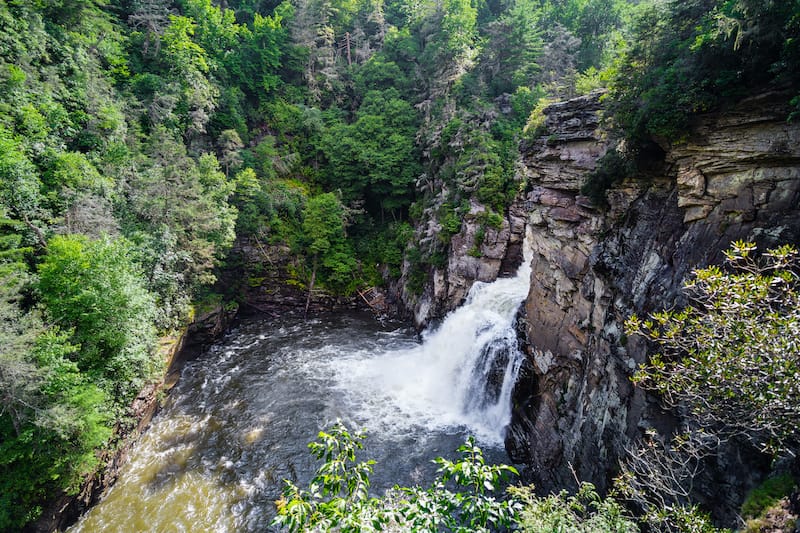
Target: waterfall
460	376
239	419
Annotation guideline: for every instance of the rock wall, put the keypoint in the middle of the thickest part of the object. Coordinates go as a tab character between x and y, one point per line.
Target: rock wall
499	254
736	177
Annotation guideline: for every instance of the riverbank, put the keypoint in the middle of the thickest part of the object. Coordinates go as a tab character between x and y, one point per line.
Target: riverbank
176	350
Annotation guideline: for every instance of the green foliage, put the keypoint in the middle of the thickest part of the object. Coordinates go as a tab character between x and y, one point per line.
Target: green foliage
683	518
94	289
478	162
583	512
514	43
110	112
730	358
491	219
324	241
480	236
458	26
177	197
590	80
462	498
20	188
535	125
690	57
51	416
374	158
338	495
766	495
271	208
385	247
727	363
611	169
450	220
323	223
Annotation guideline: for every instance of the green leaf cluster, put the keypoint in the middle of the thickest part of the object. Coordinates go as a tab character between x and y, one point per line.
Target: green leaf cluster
687	57
766	495
461	499
731	358
52	415
94	289
582	512
465	497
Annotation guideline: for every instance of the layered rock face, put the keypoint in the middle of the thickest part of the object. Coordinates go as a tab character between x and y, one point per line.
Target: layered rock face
497	253
736	177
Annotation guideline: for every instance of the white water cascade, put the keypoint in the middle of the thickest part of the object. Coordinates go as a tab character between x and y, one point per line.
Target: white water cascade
460	377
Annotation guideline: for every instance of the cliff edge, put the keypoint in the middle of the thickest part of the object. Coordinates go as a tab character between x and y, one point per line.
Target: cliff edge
737	176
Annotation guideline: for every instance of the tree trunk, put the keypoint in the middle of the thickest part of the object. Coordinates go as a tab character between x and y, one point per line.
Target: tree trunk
32	227
311	286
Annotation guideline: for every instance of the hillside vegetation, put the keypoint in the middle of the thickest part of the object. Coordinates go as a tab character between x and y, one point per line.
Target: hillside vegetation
139	138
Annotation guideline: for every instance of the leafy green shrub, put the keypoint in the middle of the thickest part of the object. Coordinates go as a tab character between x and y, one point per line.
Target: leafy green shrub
590	80
480	236
338	495
491	219
583	512
523	102
52	417
450	218
387	247
535	126
462	498
494	189
94	289
451	221
731	359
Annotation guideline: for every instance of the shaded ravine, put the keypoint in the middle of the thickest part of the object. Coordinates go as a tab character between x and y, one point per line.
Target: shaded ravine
239	420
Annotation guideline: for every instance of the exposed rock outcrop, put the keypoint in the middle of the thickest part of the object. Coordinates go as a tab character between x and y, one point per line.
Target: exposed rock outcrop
478	252
736	177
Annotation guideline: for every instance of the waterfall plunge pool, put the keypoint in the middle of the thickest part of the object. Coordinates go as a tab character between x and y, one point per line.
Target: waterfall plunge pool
239	420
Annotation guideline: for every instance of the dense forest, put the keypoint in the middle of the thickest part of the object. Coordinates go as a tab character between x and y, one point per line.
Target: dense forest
140	138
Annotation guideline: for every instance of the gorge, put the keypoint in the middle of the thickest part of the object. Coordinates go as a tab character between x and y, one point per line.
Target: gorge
584	270
429	218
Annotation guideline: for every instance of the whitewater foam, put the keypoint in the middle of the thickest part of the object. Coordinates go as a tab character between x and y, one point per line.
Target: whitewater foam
460	376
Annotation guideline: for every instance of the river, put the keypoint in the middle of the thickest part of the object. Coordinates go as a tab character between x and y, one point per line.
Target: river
239	420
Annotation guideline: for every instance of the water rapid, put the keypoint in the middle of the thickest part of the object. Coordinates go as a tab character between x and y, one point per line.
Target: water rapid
239	420
460	376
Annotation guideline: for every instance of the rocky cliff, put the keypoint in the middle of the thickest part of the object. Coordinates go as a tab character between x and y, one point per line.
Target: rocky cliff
498	254
736	177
